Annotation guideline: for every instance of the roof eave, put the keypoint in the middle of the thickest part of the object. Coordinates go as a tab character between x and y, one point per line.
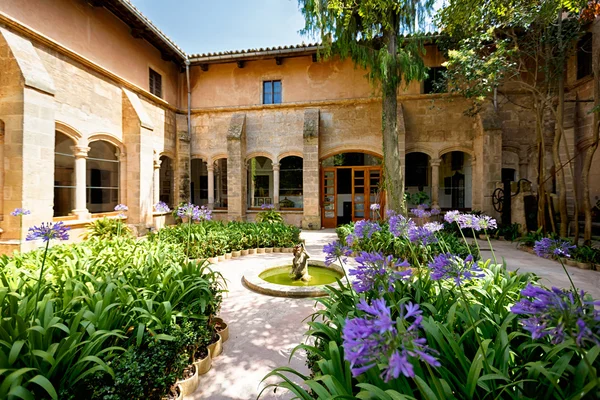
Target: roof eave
253	55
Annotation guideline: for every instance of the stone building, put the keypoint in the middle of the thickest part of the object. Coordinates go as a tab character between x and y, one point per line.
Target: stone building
99	107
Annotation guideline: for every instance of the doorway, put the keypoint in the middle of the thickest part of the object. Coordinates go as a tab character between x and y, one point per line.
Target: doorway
348	190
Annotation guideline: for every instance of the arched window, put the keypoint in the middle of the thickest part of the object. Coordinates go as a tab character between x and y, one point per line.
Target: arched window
166	180
200	183
260	182
455	180
102	177
64	175
291	182
220	171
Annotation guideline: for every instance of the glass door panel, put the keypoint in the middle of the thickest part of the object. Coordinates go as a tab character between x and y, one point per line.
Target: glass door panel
358	194
328	199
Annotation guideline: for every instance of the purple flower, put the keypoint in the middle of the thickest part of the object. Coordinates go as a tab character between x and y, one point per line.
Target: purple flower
433	227
376	271
122	208
559	314
548	248
466	221
452	216
420	212
375	207
267	206
486	222
435	211
399	226
48	231
19	212
449	266
204	214
422	235
336	250
364	228
375	339
190	211
162	207
350	240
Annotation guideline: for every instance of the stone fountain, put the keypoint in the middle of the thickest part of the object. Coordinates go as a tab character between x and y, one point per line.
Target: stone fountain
300	264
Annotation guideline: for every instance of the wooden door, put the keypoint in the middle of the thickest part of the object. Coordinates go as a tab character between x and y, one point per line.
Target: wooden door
376	194
360	202
329	198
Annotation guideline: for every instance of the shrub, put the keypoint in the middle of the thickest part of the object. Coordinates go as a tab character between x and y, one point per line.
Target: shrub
106	228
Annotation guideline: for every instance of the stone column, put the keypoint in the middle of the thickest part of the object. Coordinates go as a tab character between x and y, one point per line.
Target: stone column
211	185
156	197
435	182
276	185
80	153
236	168
310	179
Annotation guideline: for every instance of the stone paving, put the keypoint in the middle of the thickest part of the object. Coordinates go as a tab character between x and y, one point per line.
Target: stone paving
264	329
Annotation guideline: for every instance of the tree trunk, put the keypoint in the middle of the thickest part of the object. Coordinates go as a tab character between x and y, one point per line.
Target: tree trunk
541	217
589	155
391	155
559	171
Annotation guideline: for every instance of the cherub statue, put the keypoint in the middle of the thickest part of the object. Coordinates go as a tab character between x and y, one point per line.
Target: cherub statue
300	263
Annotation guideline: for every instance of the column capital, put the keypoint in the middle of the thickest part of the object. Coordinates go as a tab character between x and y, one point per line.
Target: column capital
210	167
80	151
276	166
157	163
435	162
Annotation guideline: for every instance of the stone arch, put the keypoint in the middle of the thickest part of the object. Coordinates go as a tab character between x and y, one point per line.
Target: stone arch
69	131
450	149
166	153
218	157
350	149
201	156
265	154
420	149
289	154
107	137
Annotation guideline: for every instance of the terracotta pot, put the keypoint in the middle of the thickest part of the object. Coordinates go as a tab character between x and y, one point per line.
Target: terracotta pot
216	348
584	265
268	249
570	262
203	365
288	250
236	253
228	256
223	332
251	251
213	260
277	250
221	258
189	385
244	252
260	250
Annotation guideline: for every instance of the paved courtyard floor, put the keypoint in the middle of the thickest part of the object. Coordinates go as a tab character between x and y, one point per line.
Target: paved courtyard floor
264	329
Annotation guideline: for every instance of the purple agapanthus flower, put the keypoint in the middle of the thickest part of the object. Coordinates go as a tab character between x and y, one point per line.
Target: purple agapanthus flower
376	271
267	206
204	214
48	231
19	212
452	216
336	250
559	314
376	340
121	208
365	229
375	207
486	222
433	227
435	211
549	248
162	207
420	212
399	226
468	221
421	235
190	211
449	266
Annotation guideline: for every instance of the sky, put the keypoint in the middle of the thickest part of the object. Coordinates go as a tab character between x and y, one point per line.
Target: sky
201	26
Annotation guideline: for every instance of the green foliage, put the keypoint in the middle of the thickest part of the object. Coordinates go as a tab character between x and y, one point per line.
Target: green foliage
416	198
270	216
102	303
530	238
214	238
107	228
509	232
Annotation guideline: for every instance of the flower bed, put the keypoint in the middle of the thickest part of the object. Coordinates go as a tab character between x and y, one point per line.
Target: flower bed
113	319
421	321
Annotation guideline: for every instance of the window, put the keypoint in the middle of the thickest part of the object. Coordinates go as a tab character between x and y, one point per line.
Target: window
102	177
64	175
290	182
272	92
436	81
584	56
155	83
166	176
260	182
417	170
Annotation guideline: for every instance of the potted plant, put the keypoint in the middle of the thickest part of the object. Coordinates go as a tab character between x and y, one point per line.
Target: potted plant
222	328
203	360
216	345
585	257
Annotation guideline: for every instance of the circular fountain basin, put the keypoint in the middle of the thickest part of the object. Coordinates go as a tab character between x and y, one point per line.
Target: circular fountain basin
275	280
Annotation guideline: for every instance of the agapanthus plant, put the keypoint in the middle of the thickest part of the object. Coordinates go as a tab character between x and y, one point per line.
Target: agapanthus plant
162	207
559	314
267	206
552	248
376	340
189	211
48	231
421	235
19	212
365	229
378	272
336	251
399	225
421	211
448	266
